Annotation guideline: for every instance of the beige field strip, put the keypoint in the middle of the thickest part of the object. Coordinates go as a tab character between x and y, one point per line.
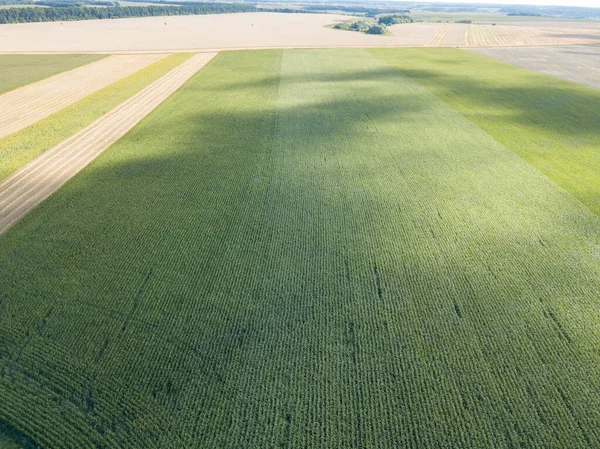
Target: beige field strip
30	185
23	107
439	36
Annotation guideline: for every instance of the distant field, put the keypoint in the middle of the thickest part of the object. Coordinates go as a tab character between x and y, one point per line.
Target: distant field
553	124
578	64
452	17
271	30
315	248
23	146
19	70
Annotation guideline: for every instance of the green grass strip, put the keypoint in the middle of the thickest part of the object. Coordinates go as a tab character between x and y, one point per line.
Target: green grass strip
19	70
21	147
551	123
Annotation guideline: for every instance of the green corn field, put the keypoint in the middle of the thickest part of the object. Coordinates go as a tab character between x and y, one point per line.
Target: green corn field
315	249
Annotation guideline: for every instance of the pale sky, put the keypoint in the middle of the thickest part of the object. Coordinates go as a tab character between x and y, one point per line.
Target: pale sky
592	3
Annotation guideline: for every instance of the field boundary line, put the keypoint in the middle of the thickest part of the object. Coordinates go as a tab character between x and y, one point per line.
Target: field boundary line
22	107
34	182
288	47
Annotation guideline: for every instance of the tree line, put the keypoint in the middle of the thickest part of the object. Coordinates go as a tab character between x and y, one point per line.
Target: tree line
22	15
394	19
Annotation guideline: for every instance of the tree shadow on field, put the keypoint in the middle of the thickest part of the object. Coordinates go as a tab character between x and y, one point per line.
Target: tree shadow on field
180	200
382	74
567	111
550	109
217	263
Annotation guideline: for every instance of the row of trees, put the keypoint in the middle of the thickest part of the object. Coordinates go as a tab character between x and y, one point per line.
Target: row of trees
68	4
355	9
21	15
524	14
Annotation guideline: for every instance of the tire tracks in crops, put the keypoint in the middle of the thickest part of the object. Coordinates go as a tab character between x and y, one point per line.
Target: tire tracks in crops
24	106
36	181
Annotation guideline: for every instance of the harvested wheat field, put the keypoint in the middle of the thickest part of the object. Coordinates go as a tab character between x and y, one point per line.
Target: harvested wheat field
33	183
412	34
262	30
456	35
223	31
514	36
23	107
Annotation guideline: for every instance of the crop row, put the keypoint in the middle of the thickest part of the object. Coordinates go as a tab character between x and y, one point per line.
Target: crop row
303	249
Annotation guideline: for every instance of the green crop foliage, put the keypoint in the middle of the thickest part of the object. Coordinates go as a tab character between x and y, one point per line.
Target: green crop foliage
19	70
304	249
23	146
551	123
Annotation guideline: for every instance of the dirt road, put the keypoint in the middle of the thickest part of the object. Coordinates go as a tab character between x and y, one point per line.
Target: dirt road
30	185
22	107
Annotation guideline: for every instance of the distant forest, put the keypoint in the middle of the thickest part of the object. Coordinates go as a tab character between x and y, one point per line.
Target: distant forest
66	12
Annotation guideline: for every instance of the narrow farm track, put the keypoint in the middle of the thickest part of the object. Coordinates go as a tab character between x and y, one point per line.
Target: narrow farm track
29	186
24	106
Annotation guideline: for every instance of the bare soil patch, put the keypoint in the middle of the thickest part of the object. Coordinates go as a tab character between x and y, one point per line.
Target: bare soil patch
580	64
515	36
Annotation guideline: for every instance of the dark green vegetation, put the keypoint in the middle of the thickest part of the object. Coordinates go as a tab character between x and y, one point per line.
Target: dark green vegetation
442	11
524	14
362	26
19	70
70	4
20	15
307	249
359	10
553	124
393	19
23	146
11	439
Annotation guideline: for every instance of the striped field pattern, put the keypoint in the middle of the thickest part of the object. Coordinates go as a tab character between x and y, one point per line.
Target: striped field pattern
303	249
22	107
19	70
36	181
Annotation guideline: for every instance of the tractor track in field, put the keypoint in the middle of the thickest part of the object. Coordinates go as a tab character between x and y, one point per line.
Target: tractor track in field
31	184
26	105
